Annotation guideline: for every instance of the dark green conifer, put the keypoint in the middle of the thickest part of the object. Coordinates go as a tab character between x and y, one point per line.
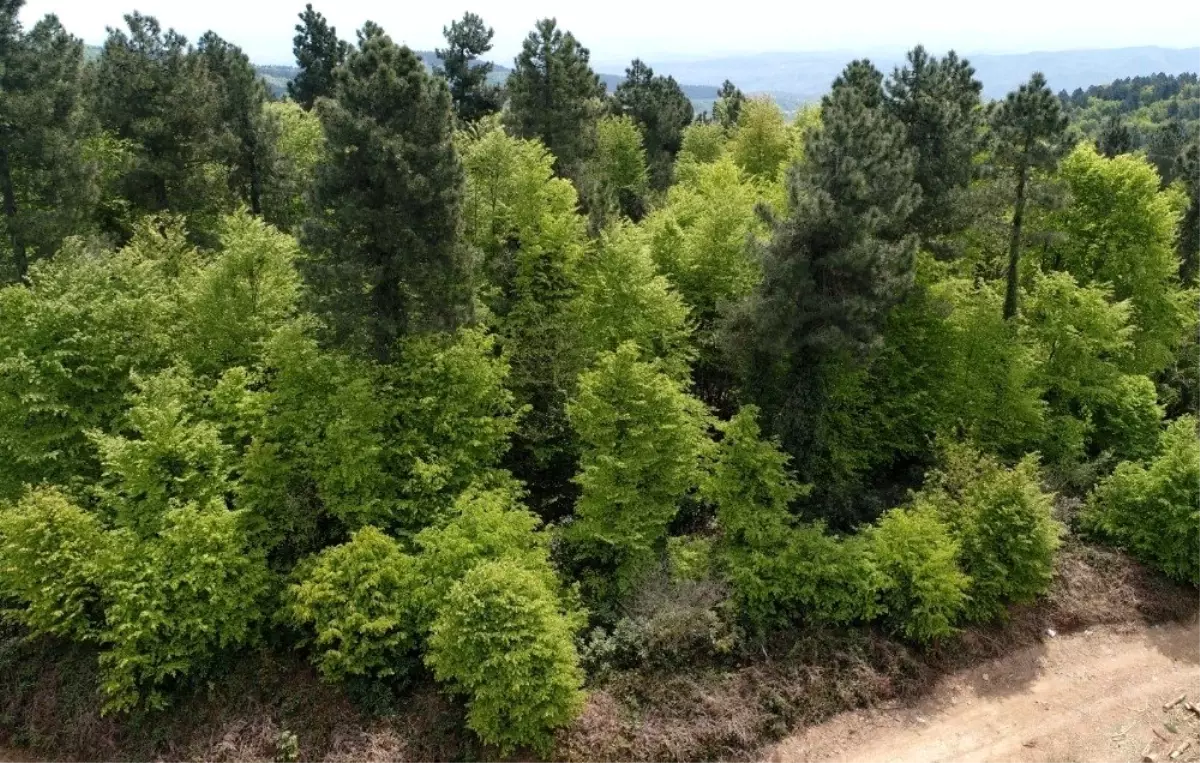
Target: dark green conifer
728	107
318	53
242	95
1030	130
384	228
552	95
1115	137
662	110
473	94
937	101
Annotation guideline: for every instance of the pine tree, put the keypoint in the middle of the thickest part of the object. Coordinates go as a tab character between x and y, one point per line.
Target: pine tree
552	92
242	95
384	226
1029	129
42	182
728	107
318	52
473	95
834	268
1115	137
151	91
660	107
937	101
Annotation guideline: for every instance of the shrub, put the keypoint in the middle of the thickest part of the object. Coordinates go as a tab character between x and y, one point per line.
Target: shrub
1002	521
359	598
175	600
641	437
503	641
49	552
1153	509
485	525
922	590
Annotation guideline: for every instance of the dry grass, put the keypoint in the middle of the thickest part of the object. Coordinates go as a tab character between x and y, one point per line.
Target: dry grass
49	703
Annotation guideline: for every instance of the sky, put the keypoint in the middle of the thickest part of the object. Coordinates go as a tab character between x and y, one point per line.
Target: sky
617	30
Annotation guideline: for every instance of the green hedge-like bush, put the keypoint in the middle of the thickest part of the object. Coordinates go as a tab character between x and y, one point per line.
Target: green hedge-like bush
50	554
360	600
1002	522
1153	509
923	592
503	640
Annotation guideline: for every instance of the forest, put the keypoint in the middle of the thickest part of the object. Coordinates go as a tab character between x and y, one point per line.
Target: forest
506	388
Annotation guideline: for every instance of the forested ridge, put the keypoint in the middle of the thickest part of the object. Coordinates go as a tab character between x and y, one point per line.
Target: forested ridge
429	379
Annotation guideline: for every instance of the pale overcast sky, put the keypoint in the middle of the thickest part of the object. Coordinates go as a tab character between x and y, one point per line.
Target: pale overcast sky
616	30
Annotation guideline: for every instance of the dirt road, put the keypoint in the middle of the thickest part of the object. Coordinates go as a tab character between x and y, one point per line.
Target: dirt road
1092	696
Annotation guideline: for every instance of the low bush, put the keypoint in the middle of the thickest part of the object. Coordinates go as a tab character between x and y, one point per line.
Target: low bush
359	599
504	641
923	593
1153	509
1002	522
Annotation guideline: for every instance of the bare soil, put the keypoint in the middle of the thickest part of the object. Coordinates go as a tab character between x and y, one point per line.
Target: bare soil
1096	695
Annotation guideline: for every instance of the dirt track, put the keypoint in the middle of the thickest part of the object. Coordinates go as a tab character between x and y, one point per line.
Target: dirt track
1092	696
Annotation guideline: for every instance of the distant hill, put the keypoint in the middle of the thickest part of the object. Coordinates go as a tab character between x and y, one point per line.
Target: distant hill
799	77
277	78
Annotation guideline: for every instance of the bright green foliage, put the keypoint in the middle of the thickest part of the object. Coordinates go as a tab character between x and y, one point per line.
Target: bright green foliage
1029	134
1120	229
50	553
449	420
1081	337
318	53
386	256
750	485
923	592
618	167
484	525
640	438
238	299
359	599
174	461
1001	519
150	89
292	145
1153	509
174	601
661	109
1126	418
503	641
553	95
525	222
314	440
702	143
761	144
622	299
468	77
68	343
47	188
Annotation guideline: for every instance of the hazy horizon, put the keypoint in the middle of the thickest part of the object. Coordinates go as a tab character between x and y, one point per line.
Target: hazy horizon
622	29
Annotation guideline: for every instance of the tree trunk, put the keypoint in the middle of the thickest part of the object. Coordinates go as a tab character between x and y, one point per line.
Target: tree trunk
10	212
1014	246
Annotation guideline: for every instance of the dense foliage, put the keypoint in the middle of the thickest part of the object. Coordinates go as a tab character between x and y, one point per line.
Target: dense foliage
503	388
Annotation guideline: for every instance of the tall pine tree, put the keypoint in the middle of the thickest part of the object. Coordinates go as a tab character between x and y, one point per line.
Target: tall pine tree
318	53
42	178
473	94
1030	133
937	101
384	229
242	95
552	95
662	110
834	268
